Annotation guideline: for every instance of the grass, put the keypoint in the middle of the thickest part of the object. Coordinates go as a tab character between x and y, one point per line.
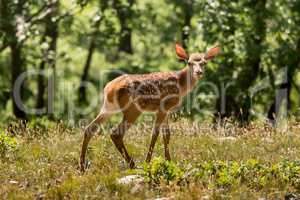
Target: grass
44	163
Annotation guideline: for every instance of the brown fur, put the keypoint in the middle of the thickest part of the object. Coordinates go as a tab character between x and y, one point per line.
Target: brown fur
149	91
158	92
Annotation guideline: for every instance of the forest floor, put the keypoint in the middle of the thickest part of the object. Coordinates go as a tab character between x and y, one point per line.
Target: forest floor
208	163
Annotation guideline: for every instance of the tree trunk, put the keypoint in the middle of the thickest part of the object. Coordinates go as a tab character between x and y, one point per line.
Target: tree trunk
283	93
286	87
226	104
8	18
41	84
84	77
187	12
48	60
124	14
253	60
125	40
16	71
95	33
53	34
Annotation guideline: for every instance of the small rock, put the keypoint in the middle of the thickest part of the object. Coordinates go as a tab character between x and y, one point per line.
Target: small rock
269	140
230	138
205	197
130	179
164	198
13	182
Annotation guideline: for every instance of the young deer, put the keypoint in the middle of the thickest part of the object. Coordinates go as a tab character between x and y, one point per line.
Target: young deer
158	92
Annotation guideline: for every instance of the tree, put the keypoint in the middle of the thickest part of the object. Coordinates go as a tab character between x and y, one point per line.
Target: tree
93	39
286	56
17	21
49	55
10	11
255	38
187	8
124	12
220	23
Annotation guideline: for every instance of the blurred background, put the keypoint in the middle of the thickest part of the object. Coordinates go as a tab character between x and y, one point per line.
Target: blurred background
70	49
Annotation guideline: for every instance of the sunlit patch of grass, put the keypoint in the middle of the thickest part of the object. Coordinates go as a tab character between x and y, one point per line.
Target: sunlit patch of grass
45	163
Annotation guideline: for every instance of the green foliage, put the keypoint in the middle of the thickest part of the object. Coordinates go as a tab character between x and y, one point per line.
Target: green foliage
225	174
222	174
259	38
8	144
253	173
202	165
160	170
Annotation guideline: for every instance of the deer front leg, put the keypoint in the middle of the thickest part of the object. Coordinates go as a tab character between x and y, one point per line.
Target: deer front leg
117	138
130	116
88	133
160	116
166	140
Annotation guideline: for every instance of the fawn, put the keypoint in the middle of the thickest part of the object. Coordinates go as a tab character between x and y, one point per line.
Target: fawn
158	92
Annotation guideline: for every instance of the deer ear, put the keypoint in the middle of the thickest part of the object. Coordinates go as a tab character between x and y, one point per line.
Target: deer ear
212	52
181	52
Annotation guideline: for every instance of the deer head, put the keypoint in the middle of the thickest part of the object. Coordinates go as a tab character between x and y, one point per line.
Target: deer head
197	61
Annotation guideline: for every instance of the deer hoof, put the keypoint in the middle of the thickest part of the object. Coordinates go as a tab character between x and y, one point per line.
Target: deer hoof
132	165
83	166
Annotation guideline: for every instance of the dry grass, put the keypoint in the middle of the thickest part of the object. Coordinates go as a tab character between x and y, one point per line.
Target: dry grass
45	163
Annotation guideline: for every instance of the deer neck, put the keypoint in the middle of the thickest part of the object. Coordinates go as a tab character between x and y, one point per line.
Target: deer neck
186	80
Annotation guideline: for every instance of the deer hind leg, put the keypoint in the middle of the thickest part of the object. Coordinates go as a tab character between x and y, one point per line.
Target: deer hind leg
166	140
160	117
88	133
130	116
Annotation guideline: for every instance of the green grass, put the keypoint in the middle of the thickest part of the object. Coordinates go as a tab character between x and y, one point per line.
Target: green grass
253	162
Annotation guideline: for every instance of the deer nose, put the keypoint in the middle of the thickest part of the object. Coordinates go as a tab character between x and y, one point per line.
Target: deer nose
199	72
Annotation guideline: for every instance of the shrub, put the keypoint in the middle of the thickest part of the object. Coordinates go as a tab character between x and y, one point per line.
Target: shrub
252	173
160	170
7	144
226	174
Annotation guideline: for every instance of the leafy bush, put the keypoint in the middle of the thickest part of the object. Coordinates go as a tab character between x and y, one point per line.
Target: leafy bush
160	170
252	173
7	144
226	174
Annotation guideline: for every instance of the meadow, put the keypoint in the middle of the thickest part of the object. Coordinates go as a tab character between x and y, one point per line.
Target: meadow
56	56
39	160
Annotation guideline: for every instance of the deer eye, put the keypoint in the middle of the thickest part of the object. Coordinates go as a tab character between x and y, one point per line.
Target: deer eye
190	63
203	63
